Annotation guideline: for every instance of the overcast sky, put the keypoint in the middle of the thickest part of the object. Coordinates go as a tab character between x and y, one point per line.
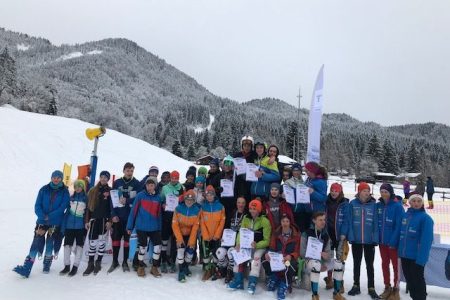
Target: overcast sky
385	61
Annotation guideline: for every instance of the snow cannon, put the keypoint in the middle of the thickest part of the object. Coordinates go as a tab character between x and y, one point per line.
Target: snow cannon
94	134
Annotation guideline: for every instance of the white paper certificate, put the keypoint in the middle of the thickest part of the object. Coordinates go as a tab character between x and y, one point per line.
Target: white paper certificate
276	262
242	256
240	165
250	174
246	238
289	194
314	248
227	188
171	202
115	198
302	194
228	238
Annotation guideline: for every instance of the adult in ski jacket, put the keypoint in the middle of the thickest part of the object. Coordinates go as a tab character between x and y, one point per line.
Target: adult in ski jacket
363	222
416	237
51	203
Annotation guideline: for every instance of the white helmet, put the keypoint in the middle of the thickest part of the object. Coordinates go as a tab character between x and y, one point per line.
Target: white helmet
246	138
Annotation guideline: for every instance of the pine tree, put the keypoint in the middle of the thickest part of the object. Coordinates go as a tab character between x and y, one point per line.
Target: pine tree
413	164
402	161
191	152
176	149
389	160
52	106
158	132
8	73
374	150
205	141
291	139
183	137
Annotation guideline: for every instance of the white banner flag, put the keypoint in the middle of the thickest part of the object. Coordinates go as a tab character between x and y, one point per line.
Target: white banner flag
315	120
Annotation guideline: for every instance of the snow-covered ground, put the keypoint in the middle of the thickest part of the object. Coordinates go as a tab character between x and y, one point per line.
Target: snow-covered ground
77	54
32	146
22	47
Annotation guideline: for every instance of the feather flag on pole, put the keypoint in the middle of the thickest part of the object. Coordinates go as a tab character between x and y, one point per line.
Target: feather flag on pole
315	120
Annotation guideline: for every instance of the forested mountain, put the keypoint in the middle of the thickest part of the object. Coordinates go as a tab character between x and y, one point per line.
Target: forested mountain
118	84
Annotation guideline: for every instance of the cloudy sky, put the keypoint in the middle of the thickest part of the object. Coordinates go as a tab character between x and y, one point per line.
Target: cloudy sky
385	61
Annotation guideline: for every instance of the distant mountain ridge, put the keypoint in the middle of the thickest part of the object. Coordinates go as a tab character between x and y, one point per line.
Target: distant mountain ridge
119	84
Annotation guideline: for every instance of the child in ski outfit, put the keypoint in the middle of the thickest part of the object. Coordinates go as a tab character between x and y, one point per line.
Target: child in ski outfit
315	265
225	261
390	213
172	189
212	221
363	235
97	222
74	227
260	225
51	203
145	217
185	225
337	226
285	240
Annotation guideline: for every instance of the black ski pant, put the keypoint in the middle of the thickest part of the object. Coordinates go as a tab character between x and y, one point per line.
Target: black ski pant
369	256
415	280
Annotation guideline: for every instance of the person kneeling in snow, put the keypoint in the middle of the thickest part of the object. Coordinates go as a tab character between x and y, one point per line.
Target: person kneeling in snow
185	224
285	240
315	237
50	205
260	226
145	217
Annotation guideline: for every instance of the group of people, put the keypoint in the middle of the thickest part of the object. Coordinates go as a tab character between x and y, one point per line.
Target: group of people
173	220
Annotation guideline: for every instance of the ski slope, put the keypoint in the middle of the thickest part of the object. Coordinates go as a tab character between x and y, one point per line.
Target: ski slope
32	146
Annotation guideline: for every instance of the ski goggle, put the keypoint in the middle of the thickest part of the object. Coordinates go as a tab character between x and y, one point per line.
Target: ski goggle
189	198
228	163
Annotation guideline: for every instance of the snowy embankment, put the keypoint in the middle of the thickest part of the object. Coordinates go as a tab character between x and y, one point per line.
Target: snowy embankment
32	146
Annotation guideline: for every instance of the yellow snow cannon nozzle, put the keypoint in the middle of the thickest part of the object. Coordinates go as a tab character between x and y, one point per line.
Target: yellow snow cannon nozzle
92	133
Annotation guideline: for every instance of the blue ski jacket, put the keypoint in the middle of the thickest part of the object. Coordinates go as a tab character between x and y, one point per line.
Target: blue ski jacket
363	222
389	222
416	236
145	215
51	204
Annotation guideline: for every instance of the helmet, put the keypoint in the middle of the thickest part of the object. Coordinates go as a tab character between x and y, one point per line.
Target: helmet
246	138
260	143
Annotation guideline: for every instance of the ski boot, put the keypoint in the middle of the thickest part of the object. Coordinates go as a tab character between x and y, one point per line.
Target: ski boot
238	282
229	276
252	281
47	264
282	290
172	268
272	283
25	269
182	272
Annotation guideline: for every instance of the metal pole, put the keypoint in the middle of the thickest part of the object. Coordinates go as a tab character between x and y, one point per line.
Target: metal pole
298	122
94	159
